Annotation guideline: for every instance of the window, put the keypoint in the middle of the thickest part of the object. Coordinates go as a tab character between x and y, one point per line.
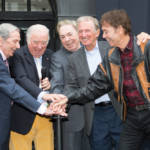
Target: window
15	5
40	5
25	5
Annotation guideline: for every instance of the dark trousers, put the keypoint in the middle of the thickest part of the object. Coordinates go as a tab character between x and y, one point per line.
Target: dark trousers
146	144
4	132
135	129
106	128
75	140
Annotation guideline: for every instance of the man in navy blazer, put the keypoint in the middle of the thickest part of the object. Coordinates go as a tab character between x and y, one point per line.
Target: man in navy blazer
26	68
9	90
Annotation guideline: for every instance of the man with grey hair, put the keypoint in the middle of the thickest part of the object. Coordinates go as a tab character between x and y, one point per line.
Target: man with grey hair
9	90
73	126
26	68
102	123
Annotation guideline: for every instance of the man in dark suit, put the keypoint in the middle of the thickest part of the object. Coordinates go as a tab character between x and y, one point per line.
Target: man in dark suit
73	126
9	90
103	125
26	69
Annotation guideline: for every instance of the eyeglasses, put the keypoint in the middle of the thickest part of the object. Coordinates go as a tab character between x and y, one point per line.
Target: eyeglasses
43	43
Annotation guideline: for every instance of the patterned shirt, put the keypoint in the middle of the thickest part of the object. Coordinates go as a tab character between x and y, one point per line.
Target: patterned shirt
129	88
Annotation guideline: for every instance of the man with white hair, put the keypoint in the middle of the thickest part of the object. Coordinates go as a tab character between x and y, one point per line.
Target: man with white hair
26	66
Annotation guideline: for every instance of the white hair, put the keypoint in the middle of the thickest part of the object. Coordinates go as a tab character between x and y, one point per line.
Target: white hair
91	19
34	28
6	29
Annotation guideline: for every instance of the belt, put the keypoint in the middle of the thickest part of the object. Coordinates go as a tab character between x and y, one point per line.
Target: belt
107	103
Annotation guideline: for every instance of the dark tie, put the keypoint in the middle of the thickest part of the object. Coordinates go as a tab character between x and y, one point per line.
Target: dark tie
6	63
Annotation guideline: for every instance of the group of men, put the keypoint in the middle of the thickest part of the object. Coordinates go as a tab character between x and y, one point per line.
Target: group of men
118	90
124	71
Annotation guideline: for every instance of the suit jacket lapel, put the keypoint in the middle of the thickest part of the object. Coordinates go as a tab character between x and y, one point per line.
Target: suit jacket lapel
29	58
101	50
45	59
84	61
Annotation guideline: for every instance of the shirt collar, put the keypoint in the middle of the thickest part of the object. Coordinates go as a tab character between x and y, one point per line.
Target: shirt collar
95	48
130	43
129	46
3	55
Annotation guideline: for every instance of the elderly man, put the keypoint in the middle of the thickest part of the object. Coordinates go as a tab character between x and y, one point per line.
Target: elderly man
73	126
9	90
103	125
26	68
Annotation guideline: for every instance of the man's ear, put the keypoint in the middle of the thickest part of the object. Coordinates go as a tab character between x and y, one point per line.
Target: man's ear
97	33
120	29
1	41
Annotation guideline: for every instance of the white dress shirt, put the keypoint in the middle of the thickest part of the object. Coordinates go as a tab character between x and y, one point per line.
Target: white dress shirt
38	63
94	59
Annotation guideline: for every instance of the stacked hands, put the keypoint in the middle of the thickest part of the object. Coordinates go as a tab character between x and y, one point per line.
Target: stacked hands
57	106
58	102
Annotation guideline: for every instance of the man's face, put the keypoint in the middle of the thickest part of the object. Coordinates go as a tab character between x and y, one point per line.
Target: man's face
111	34
69	37
38	43
10	45
88	34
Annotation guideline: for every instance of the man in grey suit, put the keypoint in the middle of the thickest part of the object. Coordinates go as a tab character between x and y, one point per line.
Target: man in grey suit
9	90
103	125
73	126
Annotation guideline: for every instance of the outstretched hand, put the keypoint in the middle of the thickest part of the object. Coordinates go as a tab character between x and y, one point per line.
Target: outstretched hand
58	105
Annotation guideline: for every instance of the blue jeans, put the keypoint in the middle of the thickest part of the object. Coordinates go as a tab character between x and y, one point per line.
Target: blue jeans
106	129
135	129
146	145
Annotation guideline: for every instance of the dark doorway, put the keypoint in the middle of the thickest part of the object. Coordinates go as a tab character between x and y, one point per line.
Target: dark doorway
27	12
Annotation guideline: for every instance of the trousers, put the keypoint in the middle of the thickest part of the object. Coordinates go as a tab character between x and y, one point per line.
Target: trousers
106	128
135	129
41	134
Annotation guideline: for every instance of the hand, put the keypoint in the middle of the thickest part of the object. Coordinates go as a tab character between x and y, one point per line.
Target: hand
59	110
142	37
58	104
59	98
45	84
49	112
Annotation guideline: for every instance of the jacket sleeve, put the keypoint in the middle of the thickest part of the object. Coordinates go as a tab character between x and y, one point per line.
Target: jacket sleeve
9	87
72	78
57	74
98	85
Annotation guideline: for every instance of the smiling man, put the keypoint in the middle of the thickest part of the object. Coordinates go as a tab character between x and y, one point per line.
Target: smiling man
102	124
73	126
25	67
